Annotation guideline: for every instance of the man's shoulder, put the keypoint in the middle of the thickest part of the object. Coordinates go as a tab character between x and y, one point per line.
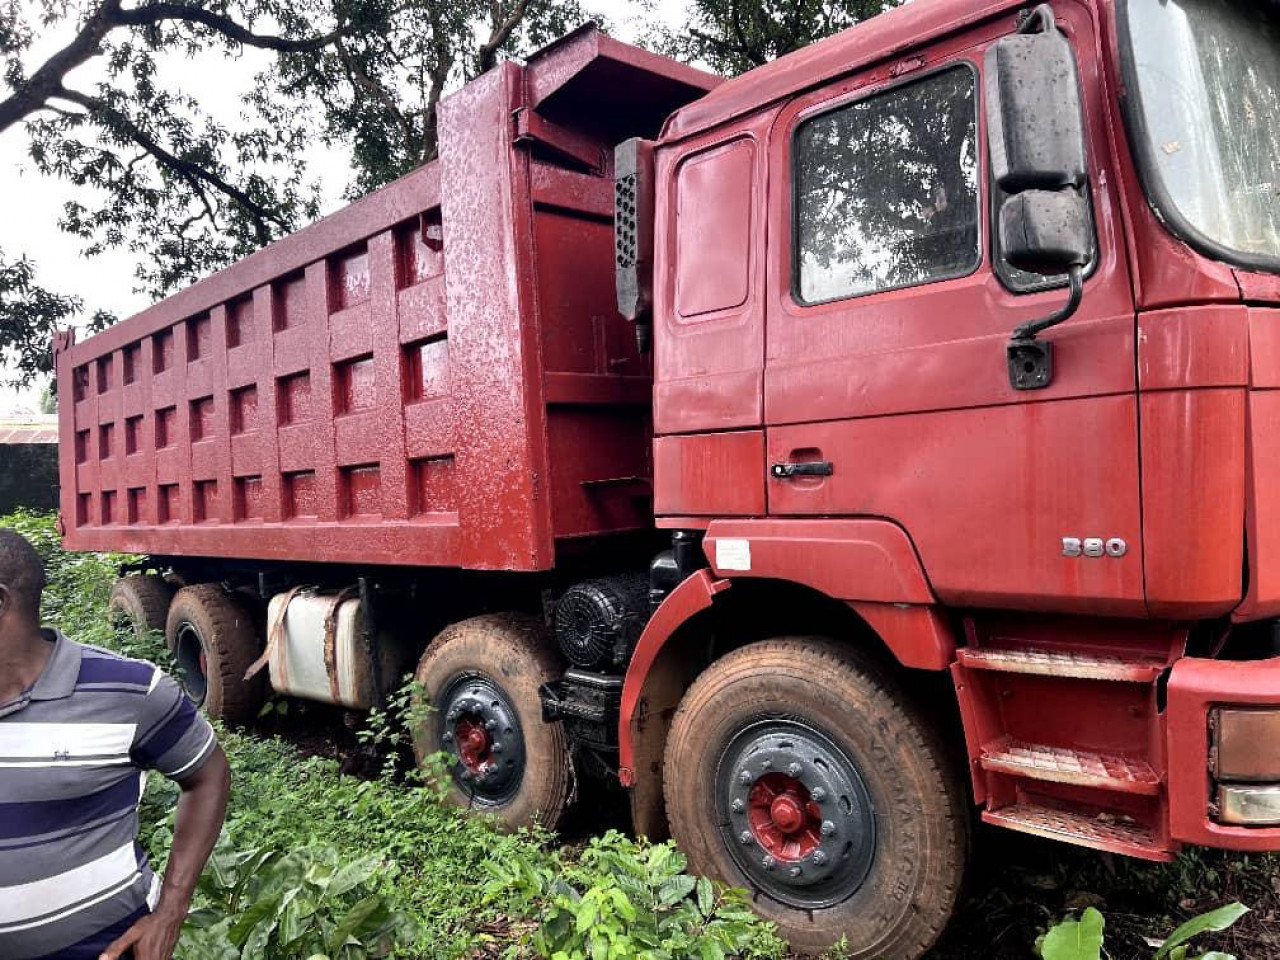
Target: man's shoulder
102	670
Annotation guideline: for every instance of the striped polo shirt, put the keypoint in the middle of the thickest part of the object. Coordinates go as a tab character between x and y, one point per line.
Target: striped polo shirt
75	749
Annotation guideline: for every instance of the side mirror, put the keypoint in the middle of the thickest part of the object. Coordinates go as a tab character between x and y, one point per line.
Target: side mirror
1046	232
1035	130
1035	124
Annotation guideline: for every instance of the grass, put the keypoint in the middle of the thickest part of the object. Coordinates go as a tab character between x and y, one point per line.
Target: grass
469	890
440	869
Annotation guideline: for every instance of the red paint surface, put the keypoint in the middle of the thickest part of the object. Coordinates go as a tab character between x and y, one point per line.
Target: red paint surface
691	597
1196	686
435	375
785	822
1193	477
718	474
846	559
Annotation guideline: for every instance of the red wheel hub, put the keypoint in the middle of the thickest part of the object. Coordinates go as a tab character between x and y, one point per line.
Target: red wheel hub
783	818
475	748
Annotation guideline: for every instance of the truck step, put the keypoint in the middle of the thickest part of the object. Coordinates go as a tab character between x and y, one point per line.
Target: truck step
1113	834
1078	767
1062	663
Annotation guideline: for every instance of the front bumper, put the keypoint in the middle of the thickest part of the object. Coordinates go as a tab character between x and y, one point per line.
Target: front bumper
1196	687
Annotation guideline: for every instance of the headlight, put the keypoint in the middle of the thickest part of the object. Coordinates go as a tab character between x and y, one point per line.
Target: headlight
1253	806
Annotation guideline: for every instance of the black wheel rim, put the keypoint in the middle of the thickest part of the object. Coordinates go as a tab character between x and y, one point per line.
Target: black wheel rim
188	652
794	813
481	732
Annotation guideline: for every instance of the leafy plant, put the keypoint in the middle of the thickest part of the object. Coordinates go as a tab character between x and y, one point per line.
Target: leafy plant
390	728
1075	939
263	904
1082	939
625	898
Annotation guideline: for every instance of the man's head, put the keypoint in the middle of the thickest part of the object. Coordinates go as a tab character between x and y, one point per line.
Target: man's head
22	580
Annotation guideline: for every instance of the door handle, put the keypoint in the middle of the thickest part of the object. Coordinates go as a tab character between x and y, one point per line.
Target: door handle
808	468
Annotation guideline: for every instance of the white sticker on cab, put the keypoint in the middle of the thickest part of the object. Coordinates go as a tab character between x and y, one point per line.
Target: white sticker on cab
733	554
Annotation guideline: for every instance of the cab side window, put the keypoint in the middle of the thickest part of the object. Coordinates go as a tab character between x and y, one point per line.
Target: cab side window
886	190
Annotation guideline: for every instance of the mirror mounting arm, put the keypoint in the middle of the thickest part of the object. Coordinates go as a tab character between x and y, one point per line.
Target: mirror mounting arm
1039	20
1028	331
1031	360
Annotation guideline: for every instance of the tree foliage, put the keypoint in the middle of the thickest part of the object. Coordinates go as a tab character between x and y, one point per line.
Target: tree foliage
733	36
29	315
97	87
378	87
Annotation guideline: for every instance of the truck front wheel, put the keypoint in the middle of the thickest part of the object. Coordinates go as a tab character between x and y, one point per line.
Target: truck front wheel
481	678
804	775
213	640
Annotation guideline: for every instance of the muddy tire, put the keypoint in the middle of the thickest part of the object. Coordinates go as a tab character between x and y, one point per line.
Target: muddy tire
481	678
141	600
212	637
804	775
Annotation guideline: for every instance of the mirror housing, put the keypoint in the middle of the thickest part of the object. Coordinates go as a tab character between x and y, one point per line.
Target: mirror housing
1046	231
1035	124
1035	131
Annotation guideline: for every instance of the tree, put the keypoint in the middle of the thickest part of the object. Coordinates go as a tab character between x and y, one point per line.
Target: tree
379	89
29	315
733	36
187	192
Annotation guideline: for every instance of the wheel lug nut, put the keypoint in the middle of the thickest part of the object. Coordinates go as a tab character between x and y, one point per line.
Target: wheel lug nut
766	763
745	836
446	738
768	863
818	794
794	872
819	858
744	777
496	746
738	806
828	828
490	725
794	769
455	713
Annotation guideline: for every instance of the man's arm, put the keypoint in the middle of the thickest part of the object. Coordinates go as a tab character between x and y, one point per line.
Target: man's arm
201	810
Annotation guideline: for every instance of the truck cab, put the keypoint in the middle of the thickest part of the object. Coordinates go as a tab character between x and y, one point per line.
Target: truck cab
1080	525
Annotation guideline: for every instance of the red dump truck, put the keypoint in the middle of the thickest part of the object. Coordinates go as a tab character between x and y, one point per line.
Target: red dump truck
889	433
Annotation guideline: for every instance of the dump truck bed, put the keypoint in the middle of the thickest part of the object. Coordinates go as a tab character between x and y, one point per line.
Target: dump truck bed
436	375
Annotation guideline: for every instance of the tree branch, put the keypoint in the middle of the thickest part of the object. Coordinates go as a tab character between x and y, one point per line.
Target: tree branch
31	94
360	79
488	55
155	13
196	176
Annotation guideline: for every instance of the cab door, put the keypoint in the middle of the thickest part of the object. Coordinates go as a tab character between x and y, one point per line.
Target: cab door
887	391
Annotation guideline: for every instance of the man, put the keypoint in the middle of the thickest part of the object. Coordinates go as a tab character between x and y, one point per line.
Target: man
79	728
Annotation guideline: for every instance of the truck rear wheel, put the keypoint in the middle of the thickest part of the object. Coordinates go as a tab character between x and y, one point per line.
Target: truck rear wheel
142	601
803	775
213	639
481	677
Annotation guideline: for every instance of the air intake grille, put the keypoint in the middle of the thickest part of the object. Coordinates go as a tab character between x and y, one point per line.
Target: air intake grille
625	238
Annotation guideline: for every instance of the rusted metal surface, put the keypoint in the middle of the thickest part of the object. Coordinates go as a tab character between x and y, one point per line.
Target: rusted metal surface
436	375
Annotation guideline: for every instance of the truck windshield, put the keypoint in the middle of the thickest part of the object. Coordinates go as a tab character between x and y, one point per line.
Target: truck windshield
1207	118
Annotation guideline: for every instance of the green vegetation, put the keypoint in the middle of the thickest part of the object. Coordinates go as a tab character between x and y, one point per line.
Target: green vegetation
316	863
1082	939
